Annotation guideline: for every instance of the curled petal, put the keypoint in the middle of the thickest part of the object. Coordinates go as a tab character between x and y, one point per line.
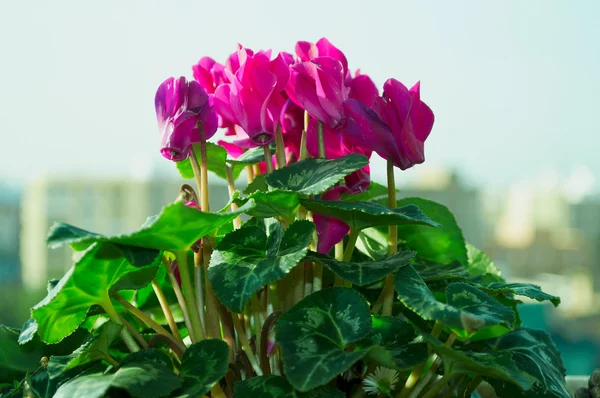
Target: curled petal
326	49
330	230
363	89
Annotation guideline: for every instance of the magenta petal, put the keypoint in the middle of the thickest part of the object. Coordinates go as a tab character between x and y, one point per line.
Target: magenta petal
365	128
280	67
326	49
306	51
330	87
359	180
334	147
232	150
330	230
363	89
303	88
222	102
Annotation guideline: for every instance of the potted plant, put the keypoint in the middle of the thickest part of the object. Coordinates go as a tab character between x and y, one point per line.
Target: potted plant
314	281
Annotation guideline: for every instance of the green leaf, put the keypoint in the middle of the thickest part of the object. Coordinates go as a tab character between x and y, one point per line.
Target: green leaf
177	227
431	271
93	350
468	308
519	289
278	387
203	365
361	215
315	333
392	344
374	192
442	245
481	266
100	271
273	204
144	374
535	355
247	259
365	272
28	331
492	364
217	161
258	184
372	243
16	360
316	175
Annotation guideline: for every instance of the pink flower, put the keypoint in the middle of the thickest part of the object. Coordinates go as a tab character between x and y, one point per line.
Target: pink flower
330	230
209	74
397	126
318	87
254	97
306	51
180	107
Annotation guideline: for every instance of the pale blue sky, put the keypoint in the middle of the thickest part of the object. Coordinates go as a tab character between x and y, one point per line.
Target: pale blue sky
514	84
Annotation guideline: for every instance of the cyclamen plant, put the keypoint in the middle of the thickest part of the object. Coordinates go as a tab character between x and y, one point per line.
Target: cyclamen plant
314	281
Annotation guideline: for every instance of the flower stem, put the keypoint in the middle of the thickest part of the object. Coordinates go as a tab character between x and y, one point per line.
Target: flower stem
114	316
268	159
280	148
471	387
321	138
147	320
388	287
134	333
111	361
438	386
237	222
249	174
179	295
213	328
349	250
164	304
196	333
199	285
203	171
339	255
246	346
303	149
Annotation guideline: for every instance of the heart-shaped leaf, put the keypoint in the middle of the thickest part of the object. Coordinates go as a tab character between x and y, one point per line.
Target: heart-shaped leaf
202	366
468	309
315	333
144	374
361	215
94	350
177	227
535	355
432	271
273	204
316	175
392	344
100	271
278	387
365	272
519	289
497	365
481	267
442	245
250	258
217	160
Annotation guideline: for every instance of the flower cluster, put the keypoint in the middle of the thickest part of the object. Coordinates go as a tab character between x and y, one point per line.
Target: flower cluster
257	95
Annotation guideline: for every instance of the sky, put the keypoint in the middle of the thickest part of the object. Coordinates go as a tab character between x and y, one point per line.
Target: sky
513	84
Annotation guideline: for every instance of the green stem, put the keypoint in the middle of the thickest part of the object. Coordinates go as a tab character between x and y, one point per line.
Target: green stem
114	316
164	305
213	328
111	361
237	222
438	386
351	244
196	334
199	286
339	255
471	387
299	281
246	346
141	341
179	295
268	159
203	172
321	139
280	148
147	320
388	288
303	150
257	316
455	386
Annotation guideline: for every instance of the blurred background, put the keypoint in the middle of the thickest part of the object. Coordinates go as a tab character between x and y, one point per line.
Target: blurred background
513	153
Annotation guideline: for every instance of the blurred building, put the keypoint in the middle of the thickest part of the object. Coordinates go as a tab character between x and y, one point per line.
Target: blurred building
106	207
10	270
